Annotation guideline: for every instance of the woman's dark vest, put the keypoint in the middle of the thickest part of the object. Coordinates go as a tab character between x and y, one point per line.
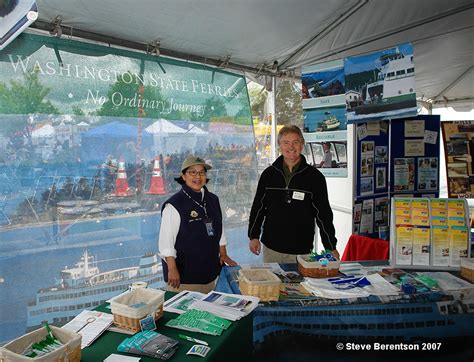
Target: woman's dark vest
197	253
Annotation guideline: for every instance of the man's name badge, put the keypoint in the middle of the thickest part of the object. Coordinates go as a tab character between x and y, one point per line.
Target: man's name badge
209	227
298	195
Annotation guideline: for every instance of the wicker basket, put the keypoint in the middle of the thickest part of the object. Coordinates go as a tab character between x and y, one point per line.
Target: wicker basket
313	269
130	307
467	269
261	283
70	351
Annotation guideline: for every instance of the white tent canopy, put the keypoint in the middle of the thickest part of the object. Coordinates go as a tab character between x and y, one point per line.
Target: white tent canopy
252	35
163	126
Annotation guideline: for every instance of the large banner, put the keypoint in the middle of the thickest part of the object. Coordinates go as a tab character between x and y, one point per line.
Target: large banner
91	139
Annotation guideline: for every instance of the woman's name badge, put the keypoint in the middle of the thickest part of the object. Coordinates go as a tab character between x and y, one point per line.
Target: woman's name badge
298	195
209	227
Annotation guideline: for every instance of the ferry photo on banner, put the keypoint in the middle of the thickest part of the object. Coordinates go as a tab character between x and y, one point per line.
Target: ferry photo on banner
91	139
324	112
381	85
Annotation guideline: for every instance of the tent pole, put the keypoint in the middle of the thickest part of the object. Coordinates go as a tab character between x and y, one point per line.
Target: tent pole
272	112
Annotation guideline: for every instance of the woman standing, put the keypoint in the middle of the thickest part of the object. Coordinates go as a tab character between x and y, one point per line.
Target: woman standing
192	243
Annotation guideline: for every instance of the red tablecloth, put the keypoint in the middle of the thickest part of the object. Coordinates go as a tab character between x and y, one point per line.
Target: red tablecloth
365	248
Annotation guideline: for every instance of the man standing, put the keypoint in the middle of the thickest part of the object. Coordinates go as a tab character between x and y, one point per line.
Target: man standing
290	196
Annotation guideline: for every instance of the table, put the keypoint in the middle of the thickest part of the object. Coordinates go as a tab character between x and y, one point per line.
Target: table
235	344
433	316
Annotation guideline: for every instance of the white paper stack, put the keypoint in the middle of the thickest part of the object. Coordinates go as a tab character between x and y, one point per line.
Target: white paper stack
325	289
90	324
228	306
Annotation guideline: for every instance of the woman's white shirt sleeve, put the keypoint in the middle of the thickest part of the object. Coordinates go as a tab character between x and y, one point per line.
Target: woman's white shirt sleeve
170	222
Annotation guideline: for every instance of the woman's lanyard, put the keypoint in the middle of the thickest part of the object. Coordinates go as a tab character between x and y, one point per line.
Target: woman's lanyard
197	203
207	220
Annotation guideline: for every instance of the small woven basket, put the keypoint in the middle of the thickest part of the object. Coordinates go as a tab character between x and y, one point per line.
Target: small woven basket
467	269
261	283
133	324
313	269
69	352
130	307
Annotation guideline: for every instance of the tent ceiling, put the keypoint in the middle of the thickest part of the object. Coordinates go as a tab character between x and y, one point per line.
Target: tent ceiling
292	32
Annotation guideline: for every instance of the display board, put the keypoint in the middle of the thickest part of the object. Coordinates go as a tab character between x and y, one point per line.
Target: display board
414	156
429	233
372	203
458	141
393	158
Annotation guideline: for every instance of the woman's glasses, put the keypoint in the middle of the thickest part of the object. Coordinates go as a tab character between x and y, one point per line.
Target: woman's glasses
196	173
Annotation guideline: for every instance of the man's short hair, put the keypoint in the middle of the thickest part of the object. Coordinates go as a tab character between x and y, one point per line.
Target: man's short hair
290	129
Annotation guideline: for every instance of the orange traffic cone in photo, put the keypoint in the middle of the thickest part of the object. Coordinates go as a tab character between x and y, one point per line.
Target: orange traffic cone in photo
157	186
121	182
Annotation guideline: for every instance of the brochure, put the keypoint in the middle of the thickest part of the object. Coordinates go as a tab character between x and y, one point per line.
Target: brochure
149	343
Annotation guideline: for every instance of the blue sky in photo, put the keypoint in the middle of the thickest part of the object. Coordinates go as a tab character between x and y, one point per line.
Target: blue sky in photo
362	63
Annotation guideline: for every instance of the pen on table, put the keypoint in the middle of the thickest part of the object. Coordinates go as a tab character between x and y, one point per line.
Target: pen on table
188	338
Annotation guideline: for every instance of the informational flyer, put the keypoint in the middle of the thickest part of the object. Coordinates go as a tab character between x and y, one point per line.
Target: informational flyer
427	173
366	222
404	245
414	147
404	174
402	212
380	177
456	213
458	238
420	212
439	213
414	128
421	246
440	246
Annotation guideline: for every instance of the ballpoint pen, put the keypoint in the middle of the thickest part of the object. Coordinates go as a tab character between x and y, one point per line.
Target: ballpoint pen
188	338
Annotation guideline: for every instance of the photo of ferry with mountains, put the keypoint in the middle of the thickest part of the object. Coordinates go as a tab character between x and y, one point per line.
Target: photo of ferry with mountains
381	85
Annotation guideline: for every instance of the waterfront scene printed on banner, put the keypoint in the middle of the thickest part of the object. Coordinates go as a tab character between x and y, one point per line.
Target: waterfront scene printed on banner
324	115
89	149
381	85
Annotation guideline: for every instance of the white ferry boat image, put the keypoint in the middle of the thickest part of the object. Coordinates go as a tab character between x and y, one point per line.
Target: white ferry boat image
85	287
331	123
394	87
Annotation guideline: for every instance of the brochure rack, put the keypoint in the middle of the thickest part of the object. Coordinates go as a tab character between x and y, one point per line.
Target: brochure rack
431	234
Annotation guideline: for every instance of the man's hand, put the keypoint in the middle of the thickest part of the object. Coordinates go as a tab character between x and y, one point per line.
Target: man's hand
335	254
254	246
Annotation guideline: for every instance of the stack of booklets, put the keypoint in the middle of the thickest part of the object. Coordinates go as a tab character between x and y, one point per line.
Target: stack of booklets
200	321
149	343
228	306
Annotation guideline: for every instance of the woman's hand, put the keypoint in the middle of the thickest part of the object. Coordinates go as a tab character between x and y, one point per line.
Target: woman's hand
173	273
225	259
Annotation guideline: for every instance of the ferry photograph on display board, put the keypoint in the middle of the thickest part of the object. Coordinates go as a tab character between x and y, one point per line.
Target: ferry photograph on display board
458	139
381	85
324	117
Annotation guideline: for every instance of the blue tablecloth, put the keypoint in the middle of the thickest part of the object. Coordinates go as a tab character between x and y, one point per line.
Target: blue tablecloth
407	317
